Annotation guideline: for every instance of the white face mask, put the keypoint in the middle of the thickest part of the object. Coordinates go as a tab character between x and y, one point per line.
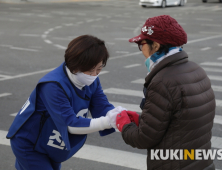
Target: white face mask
85	78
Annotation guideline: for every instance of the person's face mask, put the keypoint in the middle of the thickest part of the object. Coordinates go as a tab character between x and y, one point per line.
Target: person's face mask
147	63
85	78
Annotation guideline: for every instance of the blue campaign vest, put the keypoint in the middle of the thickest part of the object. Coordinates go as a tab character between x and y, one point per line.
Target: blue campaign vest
54	139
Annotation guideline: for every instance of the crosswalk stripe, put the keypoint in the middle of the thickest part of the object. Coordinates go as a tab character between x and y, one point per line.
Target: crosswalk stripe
138	81
4	76
112	156
219	103
216	142
133	65
211	64
5	94
217	88
217	78
212	69
101	154
133	107
218	119
124	92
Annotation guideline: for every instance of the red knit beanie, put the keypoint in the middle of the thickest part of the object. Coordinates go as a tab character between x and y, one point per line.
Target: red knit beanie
162	29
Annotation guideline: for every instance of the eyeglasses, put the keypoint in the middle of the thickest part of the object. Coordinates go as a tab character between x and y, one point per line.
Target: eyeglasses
140	45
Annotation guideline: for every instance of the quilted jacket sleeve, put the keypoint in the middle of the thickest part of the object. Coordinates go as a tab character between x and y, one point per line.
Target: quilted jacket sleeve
154	121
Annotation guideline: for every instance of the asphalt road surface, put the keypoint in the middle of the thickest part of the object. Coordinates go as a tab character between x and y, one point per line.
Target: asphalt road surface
34	36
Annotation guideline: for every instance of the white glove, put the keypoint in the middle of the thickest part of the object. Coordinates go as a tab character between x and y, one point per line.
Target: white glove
112	115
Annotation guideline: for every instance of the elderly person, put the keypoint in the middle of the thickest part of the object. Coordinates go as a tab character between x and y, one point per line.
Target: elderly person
53	123
179	104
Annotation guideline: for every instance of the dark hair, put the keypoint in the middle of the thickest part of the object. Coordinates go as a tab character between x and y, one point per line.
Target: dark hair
163	48
84	53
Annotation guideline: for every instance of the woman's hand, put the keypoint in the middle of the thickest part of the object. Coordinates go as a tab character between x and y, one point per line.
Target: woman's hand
122	119
112	115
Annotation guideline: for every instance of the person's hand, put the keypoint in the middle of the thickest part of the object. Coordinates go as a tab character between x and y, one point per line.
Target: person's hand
122	119
112	115
134	117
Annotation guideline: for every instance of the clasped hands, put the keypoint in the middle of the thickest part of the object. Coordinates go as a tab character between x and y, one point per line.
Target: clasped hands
119	116
126	117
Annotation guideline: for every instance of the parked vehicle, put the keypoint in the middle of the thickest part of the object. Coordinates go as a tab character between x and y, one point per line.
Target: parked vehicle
206	1
162	3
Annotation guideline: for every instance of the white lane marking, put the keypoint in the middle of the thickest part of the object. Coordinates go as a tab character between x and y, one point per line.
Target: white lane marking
5	45
43	36
26	74
220	58
126	92
5	94
103	72
3	140
211	64
23	49
138	81
63	38
216	142
133	107
122	52
36	72
48	41
57	27
217	88
219	103
204	19
217	78
133	65
123	39
10	19
71	24
18	48
118	21
51	29
101	154
112	156
13	114
4	76
29	35
203	39
220	45
218	119
60	46
204	32
44	16
127	55
212	69
46	32
206	48
211	25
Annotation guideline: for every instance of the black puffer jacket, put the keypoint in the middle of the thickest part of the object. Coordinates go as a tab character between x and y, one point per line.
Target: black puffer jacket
178	113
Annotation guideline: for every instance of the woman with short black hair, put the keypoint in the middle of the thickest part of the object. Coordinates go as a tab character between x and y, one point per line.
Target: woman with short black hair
53	123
